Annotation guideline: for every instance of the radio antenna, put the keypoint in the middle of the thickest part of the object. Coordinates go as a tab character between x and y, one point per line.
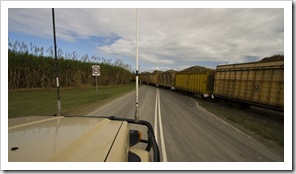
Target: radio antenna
57	65
137	72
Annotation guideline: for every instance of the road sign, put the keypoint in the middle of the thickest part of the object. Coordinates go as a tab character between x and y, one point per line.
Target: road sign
96	70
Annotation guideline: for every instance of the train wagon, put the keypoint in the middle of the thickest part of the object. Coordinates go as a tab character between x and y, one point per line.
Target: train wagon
256	83
167	79
152	78
144	77
200	82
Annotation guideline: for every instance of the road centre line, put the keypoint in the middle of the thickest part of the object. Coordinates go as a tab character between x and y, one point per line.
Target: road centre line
163	149
155	119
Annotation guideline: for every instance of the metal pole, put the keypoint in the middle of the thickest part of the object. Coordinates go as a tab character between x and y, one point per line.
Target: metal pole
97	85
57	66
137	73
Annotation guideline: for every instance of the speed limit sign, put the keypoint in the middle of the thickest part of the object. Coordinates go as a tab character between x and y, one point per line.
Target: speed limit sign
96	70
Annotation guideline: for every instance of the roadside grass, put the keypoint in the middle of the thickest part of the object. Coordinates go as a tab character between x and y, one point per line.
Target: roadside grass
74	101
246	123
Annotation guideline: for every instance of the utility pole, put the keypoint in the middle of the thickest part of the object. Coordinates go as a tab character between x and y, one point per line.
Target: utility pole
57	66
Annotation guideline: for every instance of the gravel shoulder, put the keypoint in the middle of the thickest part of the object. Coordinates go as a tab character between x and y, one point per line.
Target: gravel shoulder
264	125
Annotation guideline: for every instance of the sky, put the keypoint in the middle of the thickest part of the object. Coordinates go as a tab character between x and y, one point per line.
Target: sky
168	38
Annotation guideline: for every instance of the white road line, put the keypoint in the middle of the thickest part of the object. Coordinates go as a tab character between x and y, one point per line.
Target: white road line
26	124
164	156
194	102
155	119
216	117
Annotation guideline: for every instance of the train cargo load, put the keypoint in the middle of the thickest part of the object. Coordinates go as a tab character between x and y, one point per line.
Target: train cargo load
257	83
197	80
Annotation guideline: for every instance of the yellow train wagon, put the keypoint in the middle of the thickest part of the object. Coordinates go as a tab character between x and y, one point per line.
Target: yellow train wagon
201	83
256	83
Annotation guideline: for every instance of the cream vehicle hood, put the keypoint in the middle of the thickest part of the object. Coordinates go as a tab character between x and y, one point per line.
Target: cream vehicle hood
69	139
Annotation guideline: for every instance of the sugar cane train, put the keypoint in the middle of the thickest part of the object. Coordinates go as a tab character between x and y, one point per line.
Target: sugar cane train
258	83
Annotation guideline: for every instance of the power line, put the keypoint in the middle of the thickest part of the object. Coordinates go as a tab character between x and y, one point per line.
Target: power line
242	26
250	29
238	29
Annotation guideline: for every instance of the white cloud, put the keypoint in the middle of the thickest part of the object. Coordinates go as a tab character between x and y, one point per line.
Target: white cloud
30	21
168	38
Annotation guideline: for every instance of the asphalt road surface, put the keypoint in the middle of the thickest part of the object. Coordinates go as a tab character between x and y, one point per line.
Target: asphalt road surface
186	132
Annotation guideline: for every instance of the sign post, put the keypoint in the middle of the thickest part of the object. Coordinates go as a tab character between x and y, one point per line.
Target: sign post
96	72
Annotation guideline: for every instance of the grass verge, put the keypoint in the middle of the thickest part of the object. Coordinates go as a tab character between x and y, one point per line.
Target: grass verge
26	102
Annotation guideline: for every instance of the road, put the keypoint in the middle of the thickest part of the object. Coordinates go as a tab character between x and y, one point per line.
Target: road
186	132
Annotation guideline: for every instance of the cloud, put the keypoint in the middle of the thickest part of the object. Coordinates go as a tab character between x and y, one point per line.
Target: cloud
30	21
168	38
